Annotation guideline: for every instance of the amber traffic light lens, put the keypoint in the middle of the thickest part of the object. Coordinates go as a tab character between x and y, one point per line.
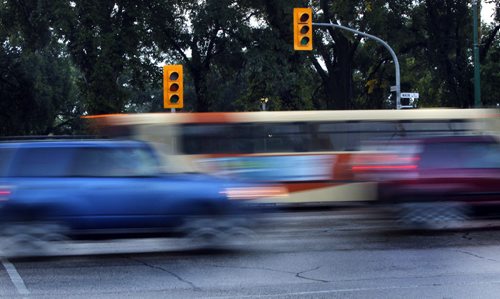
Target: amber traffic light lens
304	17
174	99
304	41
174	76
304	29
174	87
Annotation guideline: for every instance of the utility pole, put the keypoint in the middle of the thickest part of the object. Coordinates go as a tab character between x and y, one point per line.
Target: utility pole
393	54
477	65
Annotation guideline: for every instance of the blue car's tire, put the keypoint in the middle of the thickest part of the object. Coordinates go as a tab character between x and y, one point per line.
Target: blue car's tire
23	239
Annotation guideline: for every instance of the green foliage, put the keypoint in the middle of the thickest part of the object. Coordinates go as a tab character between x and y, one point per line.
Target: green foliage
37	88
106	40
38	93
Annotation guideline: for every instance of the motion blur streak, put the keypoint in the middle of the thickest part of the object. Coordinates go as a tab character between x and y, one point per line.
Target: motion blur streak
110	189
323	150
456	179
249	193
384	167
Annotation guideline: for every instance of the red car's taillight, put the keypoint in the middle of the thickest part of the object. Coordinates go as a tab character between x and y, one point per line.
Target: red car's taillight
385	162
362	168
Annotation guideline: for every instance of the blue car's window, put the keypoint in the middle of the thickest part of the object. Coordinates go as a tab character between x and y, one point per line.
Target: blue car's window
40	162
114	162
5	158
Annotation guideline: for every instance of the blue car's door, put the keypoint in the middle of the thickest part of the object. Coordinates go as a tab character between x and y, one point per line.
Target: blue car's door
118	188
110	202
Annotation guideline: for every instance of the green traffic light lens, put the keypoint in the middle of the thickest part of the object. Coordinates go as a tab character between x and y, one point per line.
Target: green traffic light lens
304	17
174	76
304	29
304	41
174	87
174	99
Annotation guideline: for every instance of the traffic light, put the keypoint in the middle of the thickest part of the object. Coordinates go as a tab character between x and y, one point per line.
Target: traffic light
302	29
173	87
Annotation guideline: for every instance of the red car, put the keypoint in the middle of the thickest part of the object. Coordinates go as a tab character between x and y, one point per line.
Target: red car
435	181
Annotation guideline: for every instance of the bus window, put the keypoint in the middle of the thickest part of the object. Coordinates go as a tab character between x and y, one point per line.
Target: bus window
243	138
435	128
283	137
218	139
347	136
204	138
247	138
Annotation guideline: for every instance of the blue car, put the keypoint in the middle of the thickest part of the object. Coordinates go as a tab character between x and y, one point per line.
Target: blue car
108	189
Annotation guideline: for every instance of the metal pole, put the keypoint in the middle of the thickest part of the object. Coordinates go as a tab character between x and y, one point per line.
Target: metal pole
477	64
394	57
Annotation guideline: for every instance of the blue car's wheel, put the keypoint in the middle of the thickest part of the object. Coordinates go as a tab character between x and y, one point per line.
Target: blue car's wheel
30	238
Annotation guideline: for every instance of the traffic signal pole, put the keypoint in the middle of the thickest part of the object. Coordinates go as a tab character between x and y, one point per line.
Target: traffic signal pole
394	57
477	64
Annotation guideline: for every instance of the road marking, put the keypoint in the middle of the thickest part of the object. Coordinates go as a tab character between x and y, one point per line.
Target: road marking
15	277
317	292
345	290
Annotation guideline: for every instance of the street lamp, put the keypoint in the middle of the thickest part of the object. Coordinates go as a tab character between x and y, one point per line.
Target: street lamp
263	102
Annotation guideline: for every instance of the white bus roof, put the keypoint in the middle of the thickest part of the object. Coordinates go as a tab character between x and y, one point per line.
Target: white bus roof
295	116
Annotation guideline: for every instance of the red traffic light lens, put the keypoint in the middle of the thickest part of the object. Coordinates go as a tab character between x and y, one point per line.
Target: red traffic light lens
174	87
304	41
304	17
174	76
304	29
174	99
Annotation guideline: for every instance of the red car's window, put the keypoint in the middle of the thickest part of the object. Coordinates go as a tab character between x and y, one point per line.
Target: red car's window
460	155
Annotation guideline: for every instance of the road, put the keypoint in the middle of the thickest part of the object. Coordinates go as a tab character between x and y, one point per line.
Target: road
327	254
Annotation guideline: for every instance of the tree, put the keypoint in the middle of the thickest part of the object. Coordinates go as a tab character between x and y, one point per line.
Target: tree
37	87
108	42
335	58
374	71
269	67
196	34
448	26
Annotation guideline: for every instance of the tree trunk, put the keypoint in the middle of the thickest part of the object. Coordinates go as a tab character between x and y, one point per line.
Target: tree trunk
338	83
200	87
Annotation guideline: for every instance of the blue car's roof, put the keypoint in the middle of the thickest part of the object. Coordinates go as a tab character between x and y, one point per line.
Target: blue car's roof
73	143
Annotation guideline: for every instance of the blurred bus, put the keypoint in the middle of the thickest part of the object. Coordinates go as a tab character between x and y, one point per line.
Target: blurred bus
309	152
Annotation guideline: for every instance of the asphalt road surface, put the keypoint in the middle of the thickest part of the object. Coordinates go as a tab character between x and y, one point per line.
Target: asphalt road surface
326	254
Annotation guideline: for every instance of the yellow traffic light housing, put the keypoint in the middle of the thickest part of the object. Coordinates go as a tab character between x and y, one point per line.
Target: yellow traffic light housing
302	29
173	87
